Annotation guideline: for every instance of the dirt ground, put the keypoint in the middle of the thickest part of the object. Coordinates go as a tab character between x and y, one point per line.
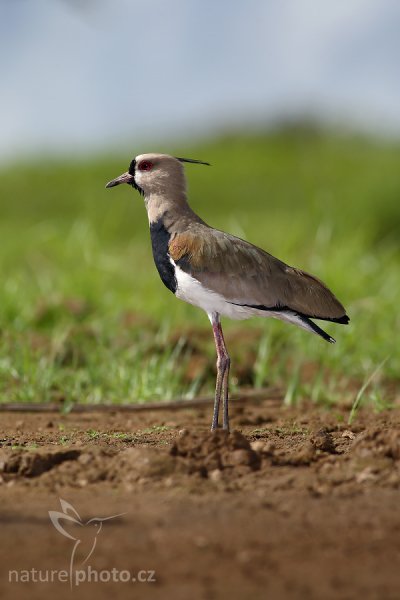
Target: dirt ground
293	504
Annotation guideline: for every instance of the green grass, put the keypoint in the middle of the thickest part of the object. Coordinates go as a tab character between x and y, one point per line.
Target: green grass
84	317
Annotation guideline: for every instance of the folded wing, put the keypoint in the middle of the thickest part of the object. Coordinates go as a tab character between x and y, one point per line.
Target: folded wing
248	276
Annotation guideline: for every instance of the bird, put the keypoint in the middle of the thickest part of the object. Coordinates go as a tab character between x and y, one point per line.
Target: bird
222	274
93	527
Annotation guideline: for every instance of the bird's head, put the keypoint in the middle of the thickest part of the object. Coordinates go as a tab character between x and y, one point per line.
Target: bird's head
155	175
95	525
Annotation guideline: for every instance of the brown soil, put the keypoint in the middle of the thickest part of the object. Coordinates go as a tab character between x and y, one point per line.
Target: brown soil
292	504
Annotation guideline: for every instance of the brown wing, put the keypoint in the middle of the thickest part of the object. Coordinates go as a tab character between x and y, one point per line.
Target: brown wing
247	275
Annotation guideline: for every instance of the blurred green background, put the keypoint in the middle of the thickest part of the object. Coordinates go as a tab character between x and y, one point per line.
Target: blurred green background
297	107
84	316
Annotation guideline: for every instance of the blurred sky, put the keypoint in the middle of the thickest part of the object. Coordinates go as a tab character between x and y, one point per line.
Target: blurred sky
79	75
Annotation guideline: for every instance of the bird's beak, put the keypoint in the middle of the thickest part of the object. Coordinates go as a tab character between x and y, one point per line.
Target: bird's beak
124	178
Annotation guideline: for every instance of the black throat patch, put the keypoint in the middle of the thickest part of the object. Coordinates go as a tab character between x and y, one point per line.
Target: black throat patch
159	242
132	171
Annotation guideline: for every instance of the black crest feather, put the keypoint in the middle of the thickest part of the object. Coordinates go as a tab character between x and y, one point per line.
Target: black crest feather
193	160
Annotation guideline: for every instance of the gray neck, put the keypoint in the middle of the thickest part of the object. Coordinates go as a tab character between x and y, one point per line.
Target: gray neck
174	211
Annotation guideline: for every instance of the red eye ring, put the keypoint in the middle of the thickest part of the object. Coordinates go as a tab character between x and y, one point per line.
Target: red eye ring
145	165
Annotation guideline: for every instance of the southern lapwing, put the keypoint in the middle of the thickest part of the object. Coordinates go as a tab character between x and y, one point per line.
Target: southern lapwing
218	272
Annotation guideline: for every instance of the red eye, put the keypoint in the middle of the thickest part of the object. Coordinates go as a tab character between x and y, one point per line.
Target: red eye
145	165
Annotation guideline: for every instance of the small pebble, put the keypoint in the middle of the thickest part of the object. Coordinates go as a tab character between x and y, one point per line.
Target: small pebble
244	557
348	434
269	448
257	446
201	542
241	457
85	458
215	475
366	475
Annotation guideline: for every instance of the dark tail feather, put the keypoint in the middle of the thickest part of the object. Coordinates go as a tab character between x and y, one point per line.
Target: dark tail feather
342	320
317	329
305	318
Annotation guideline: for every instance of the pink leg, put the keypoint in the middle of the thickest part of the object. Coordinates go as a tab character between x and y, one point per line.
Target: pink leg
223	364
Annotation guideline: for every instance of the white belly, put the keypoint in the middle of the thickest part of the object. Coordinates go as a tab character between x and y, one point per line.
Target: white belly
190	290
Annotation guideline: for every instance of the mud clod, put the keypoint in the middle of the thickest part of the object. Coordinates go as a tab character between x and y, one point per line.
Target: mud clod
29	464
304	455
323	440
379	442
214	451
